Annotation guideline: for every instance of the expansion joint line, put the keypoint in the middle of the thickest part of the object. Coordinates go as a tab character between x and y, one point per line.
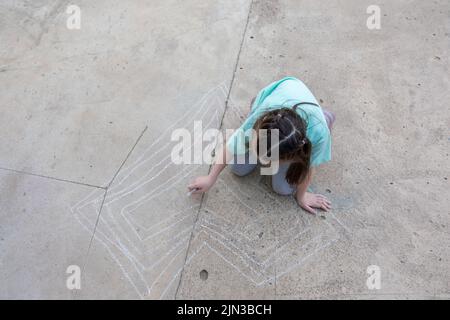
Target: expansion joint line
106	193
202	200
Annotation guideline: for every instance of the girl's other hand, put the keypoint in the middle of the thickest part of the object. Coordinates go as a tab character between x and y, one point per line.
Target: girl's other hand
201	184
309	201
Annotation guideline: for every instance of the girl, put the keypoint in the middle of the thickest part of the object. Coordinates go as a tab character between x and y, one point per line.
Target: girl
304	142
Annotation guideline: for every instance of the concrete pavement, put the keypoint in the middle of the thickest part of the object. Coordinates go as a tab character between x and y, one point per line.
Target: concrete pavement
85	171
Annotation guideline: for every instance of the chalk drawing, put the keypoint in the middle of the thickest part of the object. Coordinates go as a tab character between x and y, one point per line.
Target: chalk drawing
149	247
138	186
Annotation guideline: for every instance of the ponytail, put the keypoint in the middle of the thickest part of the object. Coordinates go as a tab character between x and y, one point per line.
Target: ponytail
299	168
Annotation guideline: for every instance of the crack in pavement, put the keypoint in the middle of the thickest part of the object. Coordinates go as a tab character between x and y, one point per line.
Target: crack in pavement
220	127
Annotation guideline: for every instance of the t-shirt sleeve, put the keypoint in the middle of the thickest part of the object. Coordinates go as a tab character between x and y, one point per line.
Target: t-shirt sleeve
321	151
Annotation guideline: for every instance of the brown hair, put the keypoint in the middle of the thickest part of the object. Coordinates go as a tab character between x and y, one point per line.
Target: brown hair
294	145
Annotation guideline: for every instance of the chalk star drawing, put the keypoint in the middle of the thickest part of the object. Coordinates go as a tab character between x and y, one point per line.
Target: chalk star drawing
150	246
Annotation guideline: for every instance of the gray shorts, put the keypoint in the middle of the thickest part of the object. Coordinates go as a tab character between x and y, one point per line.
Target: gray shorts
279	183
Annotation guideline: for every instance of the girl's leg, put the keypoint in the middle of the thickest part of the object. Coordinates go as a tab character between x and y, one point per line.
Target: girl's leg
242	168
279	183
329	117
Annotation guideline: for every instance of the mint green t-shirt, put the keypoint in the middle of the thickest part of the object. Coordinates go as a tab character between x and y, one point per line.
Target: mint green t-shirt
285	93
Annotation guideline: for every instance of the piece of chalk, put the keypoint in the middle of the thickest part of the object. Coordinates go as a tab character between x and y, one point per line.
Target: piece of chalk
191	192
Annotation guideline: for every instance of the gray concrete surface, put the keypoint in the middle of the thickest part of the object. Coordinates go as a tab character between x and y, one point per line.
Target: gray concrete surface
85	171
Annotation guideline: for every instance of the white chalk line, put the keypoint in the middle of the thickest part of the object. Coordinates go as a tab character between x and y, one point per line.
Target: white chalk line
280	248
177	244
175	276
168	184
207	245
226	222
303	259
240	257
216	111
290	240
131	225
189	169
234	236
232	265
317	237
152	196
236	252
262	264
124	270
317	249
168	265
138	251
237	235
172	216
119	228
240	113
126	254
135	186
257	283
121	247
78	204
124	251
140	240
97	200
192	256
142	161
171	226
182	118
259	215
132	206
339	222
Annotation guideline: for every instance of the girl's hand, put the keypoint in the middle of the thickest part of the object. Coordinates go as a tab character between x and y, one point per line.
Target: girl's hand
310	200
201	184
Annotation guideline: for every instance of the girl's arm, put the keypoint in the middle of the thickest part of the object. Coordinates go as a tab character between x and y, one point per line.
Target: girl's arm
204	183
308	200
